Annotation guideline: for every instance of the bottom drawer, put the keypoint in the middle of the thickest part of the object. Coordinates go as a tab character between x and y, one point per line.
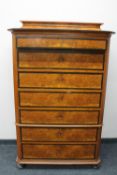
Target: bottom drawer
59	151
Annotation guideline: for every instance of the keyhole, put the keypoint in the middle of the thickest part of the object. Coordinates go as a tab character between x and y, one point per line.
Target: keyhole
61	59
61	97
61	78
60	133
60	116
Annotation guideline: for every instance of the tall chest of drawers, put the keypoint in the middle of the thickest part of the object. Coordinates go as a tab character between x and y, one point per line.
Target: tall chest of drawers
60	72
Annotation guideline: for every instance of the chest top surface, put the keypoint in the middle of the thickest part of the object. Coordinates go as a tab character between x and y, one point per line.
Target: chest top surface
52	26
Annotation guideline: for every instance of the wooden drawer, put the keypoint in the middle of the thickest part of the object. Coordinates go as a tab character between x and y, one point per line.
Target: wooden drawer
59	117
59	134
61	43
60	80
59	99
60	59
60	151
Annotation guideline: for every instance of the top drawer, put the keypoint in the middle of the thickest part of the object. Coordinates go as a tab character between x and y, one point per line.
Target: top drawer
61	43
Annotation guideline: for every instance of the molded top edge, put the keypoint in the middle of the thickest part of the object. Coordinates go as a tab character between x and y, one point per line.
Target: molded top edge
61	25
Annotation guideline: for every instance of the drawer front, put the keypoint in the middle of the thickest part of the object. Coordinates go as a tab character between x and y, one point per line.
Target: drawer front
58	151
67	60
60	80
59	134
60	99
59	117
61	43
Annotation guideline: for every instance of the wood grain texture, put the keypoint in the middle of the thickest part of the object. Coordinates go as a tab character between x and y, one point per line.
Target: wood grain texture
16	97
61	80
61	43
59	134
59	117
61	25
59	151
59	99
60	59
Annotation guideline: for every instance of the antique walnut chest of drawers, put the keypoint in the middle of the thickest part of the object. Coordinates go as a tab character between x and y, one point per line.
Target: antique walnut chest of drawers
60	72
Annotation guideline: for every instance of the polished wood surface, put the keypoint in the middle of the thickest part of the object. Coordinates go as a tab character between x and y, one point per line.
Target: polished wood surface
59	151
60	43
61	80
61	25
59	117
62	99
59	134
60	73
60	59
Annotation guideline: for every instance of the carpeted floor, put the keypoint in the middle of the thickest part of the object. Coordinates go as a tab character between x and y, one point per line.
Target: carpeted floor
8	165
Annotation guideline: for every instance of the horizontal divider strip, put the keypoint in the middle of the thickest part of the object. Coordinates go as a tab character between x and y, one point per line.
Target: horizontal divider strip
60	109
52	124
61	36
59	126
54	107
59	143
61	70
63	50
59	90
50	88
45	47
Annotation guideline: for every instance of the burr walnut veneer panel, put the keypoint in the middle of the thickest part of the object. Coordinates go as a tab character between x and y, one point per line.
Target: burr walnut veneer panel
58	59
